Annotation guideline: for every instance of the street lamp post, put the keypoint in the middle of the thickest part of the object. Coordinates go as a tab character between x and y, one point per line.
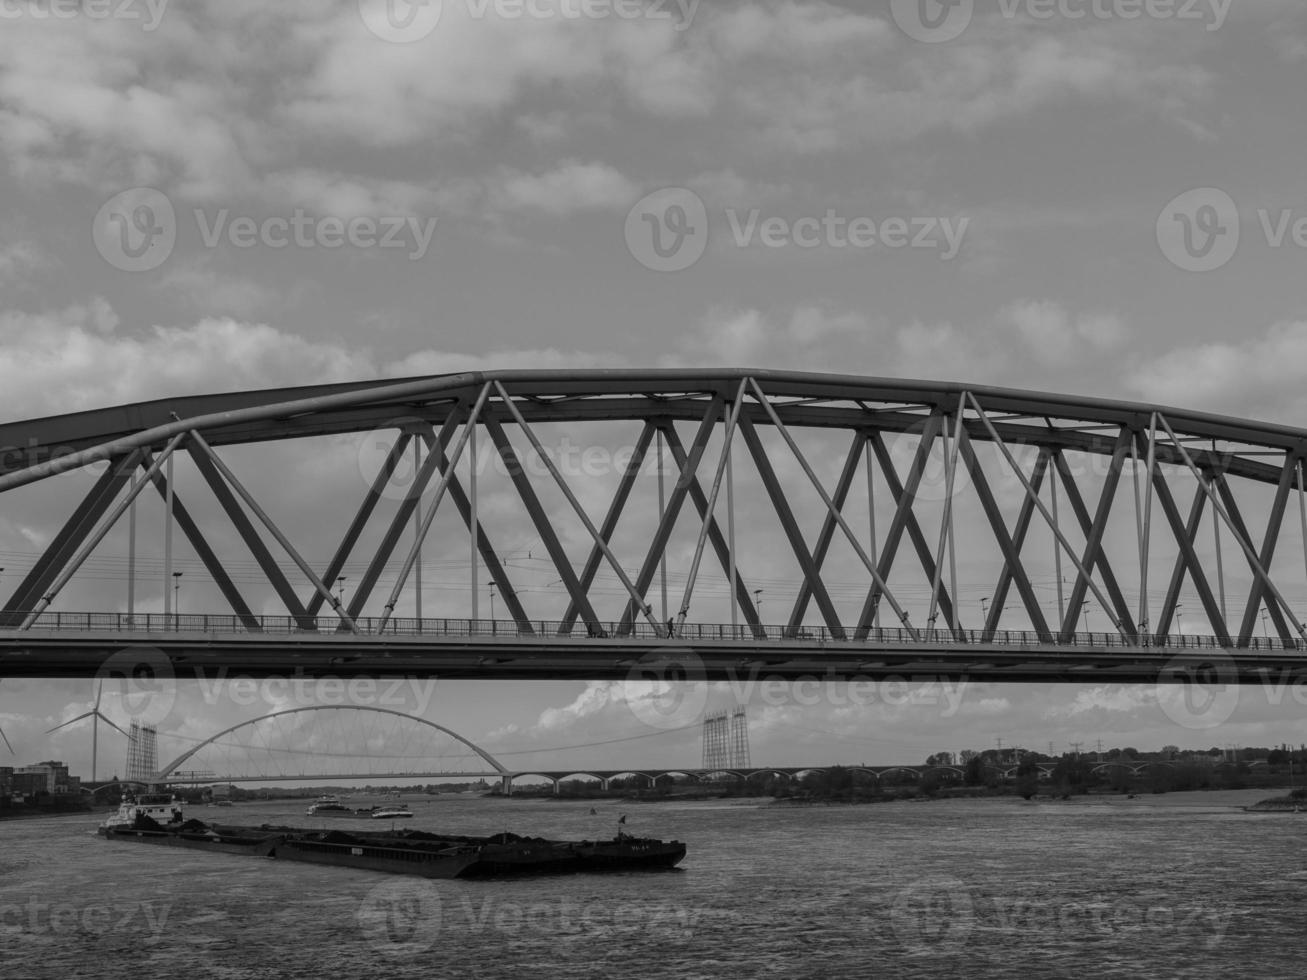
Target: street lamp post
757	600
176	598
492	600
340	591
984	609
1265	635
1179	623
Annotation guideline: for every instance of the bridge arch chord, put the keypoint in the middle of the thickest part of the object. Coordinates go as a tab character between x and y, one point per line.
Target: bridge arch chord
980	432
652	776
910	770
778	773
709	773
334	710
582	773
517	777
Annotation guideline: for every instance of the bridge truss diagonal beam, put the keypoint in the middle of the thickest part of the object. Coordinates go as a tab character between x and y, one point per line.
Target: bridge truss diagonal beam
544	528
355	529
743	598
202	548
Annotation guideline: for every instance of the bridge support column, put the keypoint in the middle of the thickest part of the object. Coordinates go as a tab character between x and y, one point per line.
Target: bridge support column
557	784
506	784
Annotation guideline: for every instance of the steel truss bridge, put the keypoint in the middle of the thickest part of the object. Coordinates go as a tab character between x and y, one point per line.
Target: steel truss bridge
872	516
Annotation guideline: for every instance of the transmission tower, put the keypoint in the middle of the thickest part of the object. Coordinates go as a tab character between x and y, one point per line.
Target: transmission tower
142	753
716	748
739	738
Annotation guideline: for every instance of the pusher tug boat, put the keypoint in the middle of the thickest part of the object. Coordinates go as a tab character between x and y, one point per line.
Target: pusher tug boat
158	819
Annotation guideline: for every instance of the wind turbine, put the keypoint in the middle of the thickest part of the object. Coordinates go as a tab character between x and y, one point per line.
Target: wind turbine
95	731
7	745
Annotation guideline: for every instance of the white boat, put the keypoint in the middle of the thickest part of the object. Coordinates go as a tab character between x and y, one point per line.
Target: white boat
328	805
391	811
162	808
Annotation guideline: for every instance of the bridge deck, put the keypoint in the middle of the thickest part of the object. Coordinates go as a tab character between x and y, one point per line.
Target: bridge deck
80	645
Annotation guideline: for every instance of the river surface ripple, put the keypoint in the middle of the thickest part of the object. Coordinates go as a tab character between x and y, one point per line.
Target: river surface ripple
976	889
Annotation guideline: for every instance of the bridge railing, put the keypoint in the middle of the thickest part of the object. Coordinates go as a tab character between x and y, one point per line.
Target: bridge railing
211	623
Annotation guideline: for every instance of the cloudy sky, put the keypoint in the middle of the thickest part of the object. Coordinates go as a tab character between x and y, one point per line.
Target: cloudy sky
1104	198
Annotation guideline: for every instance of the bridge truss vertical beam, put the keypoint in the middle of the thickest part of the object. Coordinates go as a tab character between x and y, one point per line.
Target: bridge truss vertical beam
361	517
742	596
1094	530
1011	555
400	520
557	553
485	547
811	574
1019	532
250	535
827	533
615	509
904	494
1187	559
658	544
204	552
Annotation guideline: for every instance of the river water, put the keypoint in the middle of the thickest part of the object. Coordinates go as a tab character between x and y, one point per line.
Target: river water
975	889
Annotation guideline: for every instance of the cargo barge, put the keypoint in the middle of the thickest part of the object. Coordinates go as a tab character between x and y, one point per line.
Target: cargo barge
410	852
